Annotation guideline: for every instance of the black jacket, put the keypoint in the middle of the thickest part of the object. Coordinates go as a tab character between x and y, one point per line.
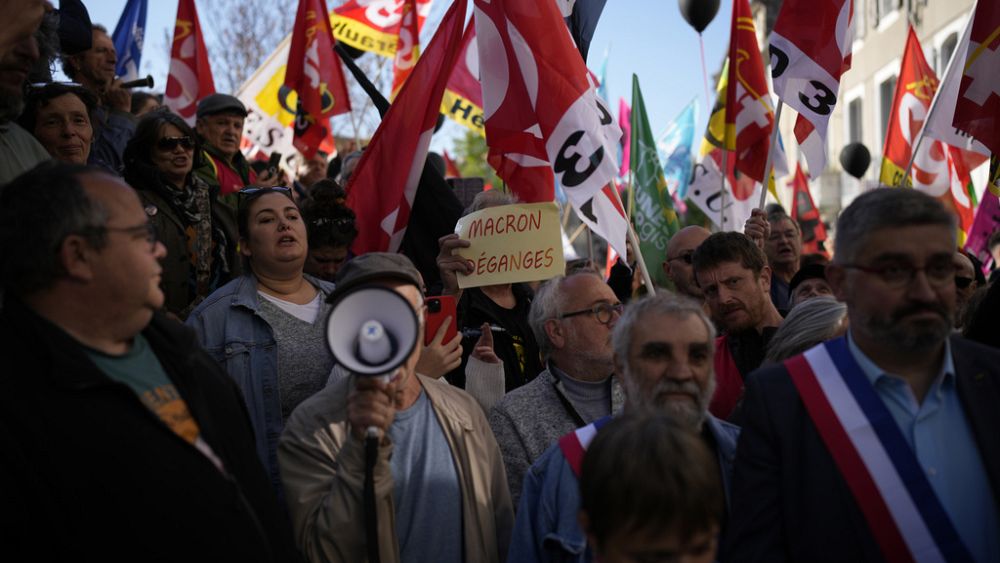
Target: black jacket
790	502
87	472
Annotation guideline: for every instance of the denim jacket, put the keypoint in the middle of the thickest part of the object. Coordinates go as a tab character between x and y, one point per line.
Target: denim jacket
546	527
231	331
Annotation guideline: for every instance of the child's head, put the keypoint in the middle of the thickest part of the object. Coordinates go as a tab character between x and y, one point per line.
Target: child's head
650	490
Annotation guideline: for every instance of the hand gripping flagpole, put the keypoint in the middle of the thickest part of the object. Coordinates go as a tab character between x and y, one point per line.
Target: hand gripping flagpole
770	154
634	240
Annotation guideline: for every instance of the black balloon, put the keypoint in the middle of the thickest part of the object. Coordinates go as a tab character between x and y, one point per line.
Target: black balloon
699	13
855	159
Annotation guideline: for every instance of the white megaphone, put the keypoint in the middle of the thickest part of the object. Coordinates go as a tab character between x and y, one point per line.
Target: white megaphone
372	331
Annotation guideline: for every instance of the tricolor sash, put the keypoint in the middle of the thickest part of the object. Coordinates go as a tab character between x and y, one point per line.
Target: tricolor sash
903	512
574	444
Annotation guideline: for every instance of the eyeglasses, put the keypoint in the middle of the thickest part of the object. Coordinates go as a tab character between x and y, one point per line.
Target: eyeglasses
939	274
603	312
167	144
963	282
687	257
147	228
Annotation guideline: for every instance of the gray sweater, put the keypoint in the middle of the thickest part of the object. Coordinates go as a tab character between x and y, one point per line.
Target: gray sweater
533	417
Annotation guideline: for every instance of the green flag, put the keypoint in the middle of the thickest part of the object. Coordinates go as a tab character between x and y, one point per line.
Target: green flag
654	216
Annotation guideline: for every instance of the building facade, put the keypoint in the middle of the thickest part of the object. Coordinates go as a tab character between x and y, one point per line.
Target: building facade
866	90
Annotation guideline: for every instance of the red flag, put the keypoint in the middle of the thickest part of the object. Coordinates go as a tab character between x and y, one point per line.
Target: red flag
407	47
314	73
190	77
935	170
804	211
383	185
749	116
543	115
373	25
977	111
450	168
810	49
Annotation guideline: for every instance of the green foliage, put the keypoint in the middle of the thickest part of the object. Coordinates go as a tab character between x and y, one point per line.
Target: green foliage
470	157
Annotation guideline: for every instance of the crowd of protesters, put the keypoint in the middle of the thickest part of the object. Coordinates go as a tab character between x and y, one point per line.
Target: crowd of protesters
171	394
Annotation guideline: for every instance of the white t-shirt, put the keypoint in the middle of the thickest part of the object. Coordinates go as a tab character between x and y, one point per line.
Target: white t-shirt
306	313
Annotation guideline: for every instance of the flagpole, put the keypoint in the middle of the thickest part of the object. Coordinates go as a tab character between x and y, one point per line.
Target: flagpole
725	170
770	154
634	240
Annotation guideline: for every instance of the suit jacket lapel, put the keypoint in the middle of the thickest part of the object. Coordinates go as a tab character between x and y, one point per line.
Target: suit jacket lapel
978	385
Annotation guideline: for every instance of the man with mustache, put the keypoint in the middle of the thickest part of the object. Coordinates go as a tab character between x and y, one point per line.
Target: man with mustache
781	239
663	349
572	318
113	122
223	167
880	445
735	278
677	264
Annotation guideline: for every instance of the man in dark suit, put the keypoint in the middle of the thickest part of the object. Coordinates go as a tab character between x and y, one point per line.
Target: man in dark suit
938	397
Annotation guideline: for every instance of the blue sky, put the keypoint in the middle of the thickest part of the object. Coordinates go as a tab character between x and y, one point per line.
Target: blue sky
645	37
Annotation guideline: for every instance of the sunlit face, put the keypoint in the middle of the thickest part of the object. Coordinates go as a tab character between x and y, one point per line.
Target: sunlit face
276	235
324	262
784	246
670	366
736	297
223	131
585	336
175	163
63	127
97	65
911	316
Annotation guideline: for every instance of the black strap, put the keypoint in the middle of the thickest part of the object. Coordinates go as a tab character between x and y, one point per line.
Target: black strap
577	419
371	518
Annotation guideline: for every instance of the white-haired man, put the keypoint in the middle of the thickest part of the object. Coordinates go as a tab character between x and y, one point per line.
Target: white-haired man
663	351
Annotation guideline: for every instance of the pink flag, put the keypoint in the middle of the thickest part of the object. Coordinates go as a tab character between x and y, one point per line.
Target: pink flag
625	122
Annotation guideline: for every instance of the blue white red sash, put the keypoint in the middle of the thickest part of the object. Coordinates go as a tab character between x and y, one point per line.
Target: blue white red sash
574	444
903	512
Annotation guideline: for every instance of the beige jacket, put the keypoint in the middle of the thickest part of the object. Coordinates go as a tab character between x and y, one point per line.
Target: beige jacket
322	469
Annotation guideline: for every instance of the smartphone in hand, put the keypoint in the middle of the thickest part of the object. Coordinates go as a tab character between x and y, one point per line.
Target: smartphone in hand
438	309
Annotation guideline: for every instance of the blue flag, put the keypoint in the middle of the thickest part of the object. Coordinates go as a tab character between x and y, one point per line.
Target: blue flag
674	147
128	37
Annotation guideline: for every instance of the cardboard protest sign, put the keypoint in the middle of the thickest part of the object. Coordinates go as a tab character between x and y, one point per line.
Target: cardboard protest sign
512	243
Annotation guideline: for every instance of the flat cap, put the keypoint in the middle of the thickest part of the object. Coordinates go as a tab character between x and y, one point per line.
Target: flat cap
219	103
812	271
366	268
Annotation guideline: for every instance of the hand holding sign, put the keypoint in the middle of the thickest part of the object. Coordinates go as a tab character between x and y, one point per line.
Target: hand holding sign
507	244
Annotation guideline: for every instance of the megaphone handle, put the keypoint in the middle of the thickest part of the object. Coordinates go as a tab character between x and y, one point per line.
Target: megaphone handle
374	431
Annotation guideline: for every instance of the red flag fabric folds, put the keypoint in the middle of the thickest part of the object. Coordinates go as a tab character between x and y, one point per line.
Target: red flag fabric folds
407	47
977	111
190	77
810	49
749	116
543	115
805	212
314	73
384	184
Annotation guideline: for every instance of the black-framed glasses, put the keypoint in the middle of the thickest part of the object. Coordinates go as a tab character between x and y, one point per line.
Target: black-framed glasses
147	228
167	144
962	282
938	274
603	312
687	257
